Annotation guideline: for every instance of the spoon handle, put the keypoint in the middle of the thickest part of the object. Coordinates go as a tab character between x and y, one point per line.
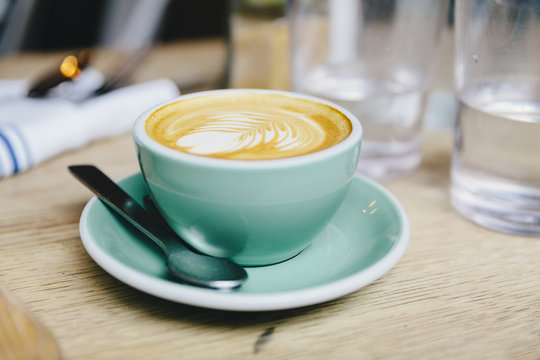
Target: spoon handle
116	198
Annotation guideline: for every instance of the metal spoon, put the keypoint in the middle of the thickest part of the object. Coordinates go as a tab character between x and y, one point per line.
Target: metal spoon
68	69
183	263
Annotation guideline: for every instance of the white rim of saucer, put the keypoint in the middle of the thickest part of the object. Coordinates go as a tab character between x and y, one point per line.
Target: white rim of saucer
231	301
140	135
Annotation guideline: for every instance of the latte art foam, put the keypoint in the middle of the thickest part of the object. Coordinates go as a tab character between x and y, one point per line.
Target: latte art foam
280	131
247	126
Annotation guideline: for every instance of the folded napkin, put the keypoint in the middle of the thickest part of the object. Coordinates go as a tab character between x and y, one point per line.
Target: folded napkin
33	130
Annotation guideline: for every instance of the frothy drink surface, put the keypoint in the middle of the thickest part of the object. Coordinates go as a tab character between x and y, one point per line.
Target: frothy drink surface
247	126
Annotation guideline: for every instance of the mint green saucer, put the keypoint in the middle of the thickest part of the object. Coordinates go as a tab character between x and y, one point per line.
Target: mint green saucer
366	238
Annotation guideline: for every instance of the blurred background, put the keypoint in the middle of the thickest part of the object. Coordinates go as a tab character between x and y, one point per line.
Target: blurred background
40	25
116	30
212	43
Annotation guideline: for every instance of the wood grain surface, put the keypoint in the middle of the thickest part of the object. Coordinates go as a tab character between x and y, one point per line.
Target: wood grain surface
460	291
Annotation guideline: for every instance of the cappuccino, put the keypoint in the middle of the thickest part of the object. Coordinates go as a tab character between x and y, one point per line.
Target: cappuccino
252	210
247	126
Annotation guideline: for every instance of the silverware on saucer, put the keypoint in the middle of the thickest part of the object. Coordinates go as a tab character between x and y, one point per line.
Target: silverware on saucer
183	263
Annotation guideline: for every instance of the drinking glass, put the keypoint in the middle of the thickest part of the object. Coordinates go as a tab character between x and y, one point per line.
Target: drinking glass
495	162
372	57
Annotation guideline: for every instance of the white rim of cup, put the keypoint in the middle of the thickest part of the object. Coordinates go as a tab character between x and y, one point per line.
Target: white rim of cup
140	135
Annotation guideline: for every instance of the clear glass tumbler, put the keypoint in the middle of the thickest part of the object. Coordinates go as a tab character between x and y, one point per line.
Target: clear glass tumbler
372	57
496	157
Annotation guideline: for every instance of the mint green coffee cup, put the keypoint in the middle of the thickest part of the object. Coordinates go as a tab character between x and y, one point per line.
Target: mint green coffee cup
256	211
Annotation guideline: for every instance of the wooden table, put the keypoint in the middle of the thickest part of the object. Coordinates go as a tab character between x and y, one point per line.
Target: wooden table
459	292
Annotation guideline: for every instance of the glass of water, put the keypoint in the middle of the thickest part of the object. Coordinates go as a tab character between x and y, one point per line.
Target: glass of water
372	57
496	158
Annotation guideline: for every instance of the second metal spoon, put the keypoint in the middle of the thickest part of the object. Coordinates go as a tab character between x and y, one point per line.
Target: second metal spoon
183	263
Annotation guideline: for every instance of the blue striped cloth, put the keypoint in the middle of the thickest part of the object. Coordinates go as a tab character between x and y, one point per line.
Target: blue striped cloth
34	130
15	155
